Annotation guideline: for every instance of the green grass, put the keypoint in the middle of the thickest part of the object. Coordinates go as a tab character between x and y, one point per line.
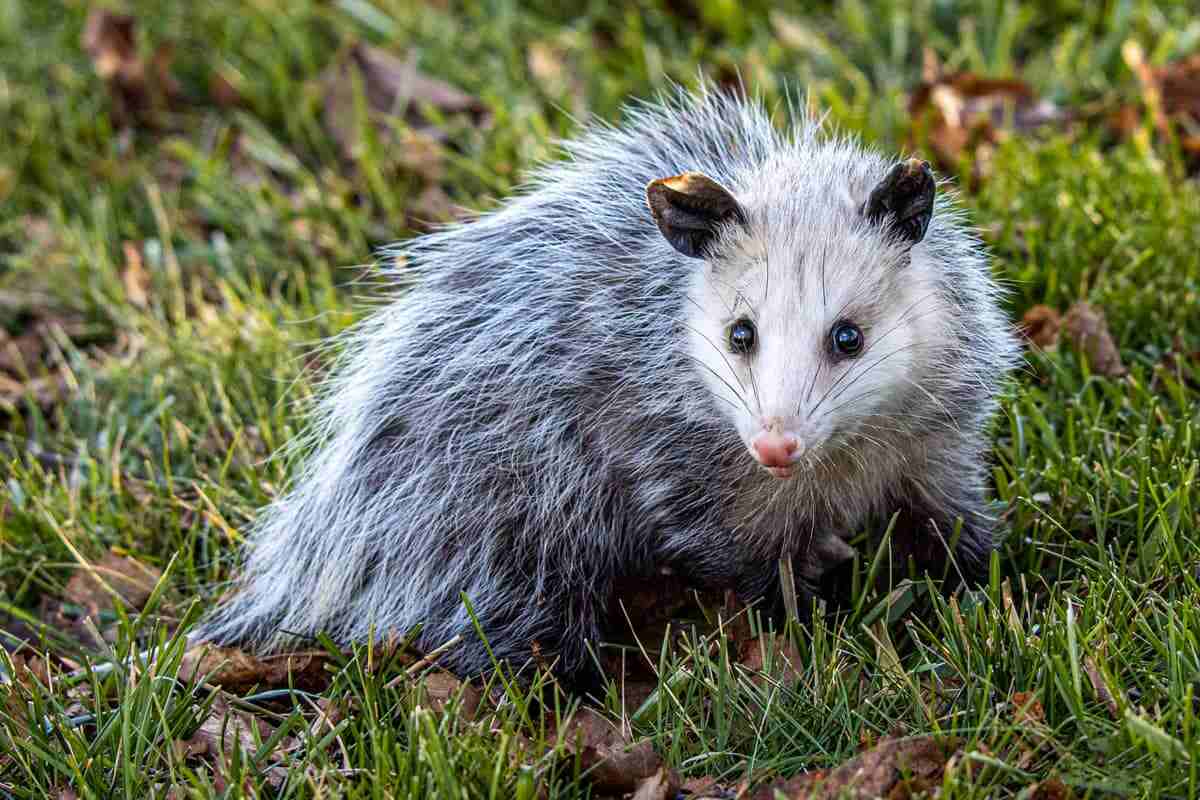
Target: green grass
257	236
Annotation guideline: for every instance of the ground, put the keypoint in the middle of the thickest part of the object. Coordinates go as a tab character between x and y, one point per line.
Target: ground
192	198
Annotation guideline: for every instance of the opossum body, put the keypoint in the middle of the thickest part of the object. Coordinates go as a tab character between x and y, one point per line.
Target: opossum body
696	343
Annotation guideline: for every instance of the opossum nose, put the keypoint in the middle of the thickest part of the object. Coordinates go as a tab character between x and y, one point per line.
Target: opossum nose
773	449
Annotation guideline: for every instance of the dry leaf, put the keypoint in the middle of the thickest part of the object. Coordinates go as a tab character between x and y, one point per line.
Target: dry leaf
784	666
613	764
547	64
963	112
1040	325
237	671
134	276
895	768
441	688
662	785
704	787
138	89
390	86
1100	686
1171	93
1050	789
1088	328
224	729
129	578
1027	709
223	92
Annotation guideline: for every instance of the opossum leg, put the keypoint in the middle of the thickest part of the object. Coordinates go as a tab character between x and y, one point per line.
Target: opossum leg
952	543
820	571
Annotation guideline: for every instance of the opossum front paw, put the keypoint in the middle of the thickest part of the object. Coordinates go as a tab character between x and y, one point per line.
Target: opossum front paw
951	545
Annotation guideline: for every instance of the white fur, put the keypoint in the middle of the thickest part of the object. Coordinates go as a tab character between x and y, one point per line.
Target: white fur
541	412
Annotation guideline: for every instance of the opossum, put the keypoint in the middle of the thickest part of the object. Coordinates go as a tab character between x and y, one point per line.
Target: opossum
699	342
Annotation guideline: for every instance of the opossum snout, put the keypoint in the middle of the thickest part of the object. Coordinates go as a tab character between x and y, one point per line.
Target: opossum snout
776	449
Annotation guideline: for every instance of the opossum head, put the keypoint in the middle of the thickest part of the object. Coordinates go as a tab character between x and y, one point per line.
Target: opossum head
814	314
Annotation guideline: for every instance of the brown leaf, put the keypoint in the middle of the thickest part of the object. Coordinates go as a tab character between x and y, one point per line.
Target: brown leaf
547	64
1087	326
237	671
702	787
134	276
1050	789
1040	326
390	86
441	688
126	577
223	92
965	112
1027	709
895	768
223	730
662	785
109	39
613	764
1100	686
1171	93
785	661
138	89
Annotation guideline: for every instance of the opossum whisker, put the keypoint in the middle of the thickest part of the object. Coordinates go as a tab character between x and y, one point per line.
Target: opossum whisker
904	317
728	385
865	371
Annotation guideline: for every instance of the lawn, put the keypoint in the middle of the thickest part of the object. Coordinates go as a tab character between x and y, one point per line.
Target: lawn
191	199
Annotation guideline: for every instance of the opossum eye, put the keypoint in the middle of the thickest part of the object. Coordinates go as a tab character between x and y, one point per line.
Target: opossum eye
742	336
846	338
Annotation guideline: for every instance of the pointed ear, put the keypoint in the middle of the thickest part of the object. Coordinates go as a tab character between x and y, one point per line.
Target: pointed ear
903	200
690	209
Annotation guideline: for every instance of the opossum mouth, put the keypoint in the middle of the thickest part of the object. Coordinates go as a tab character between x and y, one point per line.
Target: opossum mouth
781	472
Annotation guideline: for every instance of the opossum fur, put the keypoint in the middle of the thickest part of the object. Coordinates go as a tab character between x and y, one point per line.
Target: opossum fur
551	403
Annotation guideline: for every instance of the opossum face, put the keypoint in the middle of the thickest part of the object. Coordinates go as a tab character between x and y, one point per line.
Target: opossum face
810	329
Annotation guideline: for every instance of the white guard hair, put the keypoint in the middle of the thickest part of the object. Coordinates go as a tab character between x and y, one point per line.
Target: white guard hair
550	405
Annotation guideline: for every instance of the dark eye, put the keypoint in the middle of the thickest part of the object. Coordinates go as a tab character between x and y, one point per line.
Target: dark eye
742	336
847	339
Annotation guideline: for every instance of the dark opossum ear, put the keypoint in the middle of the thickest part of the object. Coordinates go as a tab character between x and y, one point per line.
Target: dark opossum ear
903	200
690	209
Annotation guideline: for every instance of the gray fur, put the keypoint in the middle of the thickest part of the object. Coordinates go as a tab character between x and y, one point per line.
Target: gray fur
532	418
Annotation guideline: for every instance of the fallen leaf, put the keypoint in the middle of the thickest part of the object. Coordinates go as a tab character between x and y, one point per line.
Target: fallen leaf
138	89
613	764
784	662
662	785
391	86
1050	789
1027	709
1040	326
963	112
1171	93
1100	686
704	787
134	276
227	727
223	91
1088	328
115	574
895	768
547	64
237	671
441	688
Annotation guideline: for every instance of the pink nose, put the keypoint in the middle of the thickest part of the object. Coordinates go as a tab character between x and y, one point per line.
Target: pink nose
774	449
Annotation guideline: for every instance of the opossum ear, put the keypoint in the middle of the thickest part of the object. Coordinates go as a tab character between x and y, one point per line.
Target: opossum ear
903	200
690	209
